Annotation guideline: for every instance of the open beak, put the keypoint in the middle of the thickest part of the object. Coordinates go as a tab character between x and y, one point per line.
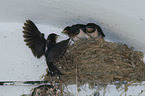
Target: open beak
63	32
57	36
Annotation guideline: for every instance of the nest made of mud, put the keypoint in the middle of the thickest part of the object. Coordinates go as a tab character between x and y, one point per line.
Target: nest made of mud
93	61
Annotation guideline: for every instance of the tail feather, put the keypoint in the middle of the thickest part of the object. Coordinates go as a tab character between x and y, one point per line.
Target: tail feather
53	70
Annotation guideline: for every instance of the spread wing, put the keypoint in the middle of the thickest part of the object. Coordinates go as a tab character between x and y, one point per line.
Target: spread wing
57	50
34	38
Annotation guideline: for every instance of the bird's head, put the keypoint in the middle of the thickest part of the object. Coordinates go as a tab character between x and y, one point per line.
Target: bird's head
52	37
71	31
90	27
66	30
75	30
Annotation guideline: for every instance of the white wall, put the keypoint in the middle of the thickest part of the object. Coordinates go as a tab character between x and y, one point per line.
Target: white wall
122	20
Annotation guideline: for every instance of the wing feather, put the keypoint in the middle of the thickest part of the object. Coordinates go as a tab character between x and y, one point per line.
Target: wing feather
34	38
57	50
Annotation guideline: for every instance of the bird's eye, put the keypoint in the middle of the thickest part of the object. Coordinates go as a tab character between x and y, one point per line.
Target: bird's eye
77	32
66	31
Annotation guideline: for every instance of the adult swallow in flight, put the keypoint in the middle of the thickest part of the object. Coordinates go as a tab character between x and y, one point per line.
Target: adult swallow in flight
48	47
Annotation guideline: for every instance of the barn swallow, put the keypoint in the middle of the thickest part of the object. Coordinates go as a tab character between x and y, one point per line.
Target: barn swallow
48	47
67	31
76	32
94	30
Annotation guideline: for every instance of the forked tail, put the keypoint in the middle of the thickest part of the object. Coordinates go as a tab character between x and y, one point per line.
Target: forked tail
53	70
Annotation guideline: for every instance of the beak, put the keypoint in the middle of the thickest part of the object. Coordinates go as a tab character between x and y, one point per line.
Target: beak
63	32
57	35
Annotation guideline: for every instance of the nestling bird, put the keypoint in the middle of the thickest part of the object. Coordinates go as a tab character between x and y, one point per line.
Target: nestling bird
76	32
48	47
94	30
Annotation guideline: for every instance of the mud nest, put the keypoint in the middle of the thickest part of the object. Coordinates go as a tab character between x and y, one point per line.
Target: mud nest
93	61
46	90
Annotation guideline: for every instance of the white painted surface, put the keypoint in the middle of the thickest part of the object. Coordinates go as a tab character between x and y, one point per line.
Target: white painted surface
110	90
15	90
122	21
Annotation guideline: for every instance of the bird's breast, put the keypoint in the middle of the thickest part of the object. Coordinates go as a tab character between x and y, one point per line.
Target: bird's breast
94	34
82	35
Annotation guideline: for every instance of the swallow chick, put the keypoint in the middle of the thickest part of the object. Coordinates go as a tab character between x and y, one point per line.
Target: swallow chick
76	32
48	47
94	31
